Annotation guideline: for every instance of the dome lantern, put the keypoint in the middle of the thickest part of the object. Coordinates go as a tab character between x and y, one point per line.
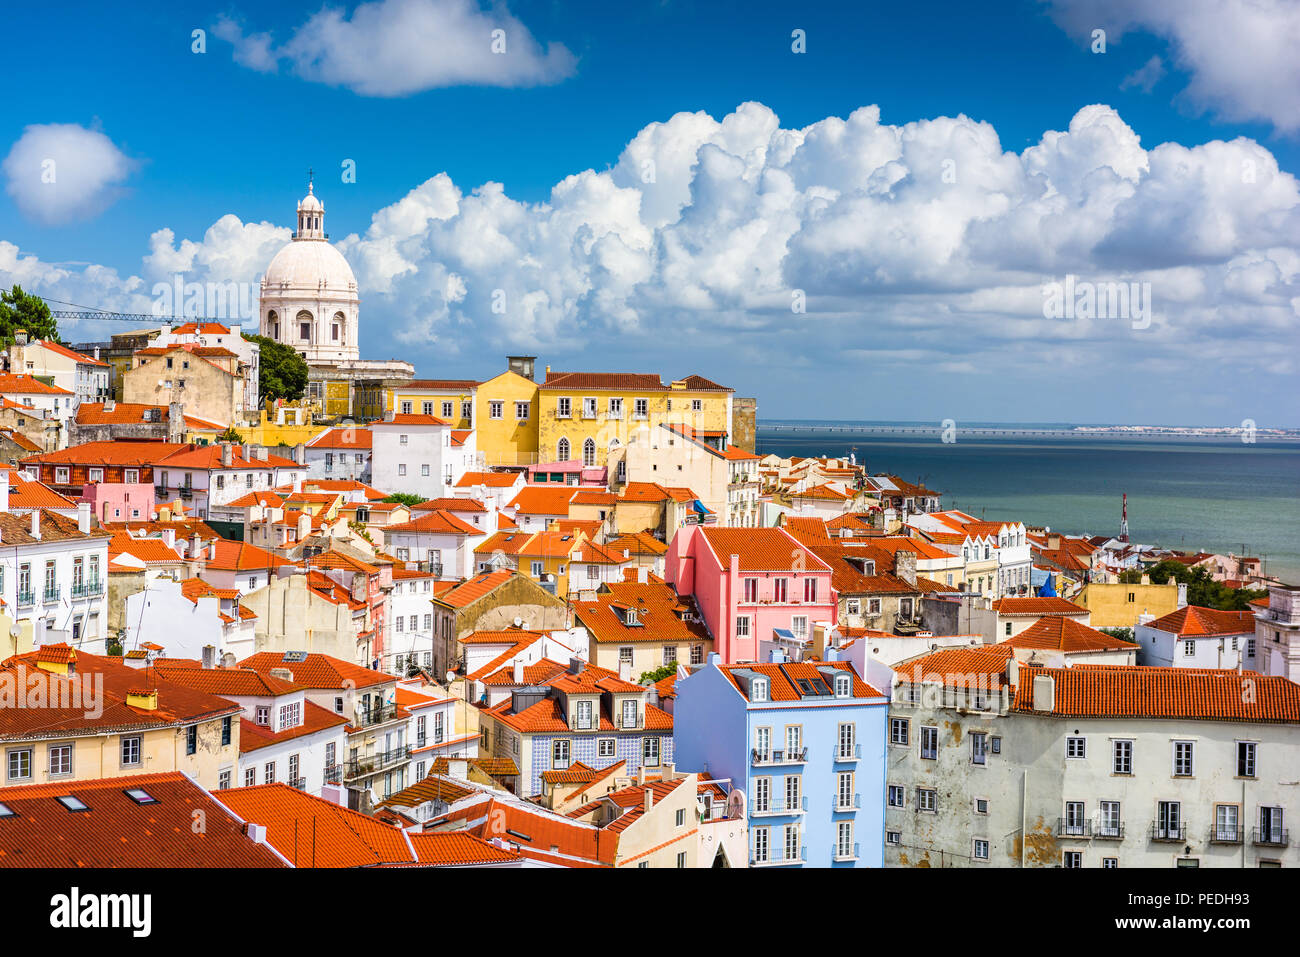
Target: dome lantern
311	216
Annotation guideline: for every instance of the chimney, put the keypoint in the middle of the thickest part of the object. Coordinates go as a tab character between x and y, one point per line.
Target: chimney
776	656
109	405
575	666
1182	595
300	454
624	670
643	574
36	524
256	832
905	566
227	455
83	517
389	415
518	674
169	536
1044	693
649	799
20	337
1054	541
284	674
194	546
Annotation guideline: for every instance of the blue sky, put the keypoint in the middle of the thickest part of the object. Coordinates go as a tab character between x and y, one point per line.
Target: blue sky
181	140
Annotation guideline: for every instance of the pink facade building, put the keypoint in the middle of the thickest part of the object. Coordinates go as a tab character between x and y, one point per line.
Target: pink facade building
119	501
752	585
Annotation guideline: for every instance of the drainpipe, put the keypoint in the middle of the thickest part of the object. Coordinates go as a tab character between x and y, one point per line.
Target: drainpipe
1024	789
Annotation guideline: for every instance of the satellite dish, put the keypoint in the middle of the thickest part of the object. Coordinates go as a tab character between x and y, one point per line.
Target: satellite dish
15	631
451	675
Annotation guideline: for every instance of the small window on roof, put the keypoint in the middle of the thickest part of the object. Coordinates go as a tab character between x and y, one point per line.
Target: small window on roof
140	796
73	803
758	689
6	811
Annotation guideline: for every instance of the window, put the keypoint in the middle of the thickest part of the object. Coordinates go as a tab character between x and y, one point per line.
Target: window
927	799
495	408
641	408
564	407
1072	859
604	747
751	589
792	792
792	842
847	745
401	468
1076	747
779	589
896	795
629	713
799	625
979	747
589	407
1168	821
424	469
810	589
930	743
893	837
742	627
1122	757
758	689
250	777
898	731
760	844
582	715
681	856
1008	629
447	409
1183	759
1108	825
843	686
1225	823
625	653
852	606
616	408
1110	862
650	752
697	652
589	453
1189	649
268	772
1074	823
981	805
562	450
225	730
263	715
60	759
20	764
406	410
1246	759
670	654
873	606
981	849
192	739
1270	826
223	780
130	752
560	751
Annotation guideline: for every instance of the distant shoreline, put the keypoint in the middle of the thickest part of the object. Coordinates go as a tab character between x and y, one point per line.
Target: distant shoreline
1028	430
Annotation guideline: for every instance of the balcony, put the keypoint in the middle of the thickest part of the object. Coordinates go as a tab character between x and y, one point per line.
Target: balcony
842	805
92	589
1175	833
788	756
1109	832
777	858
372	763
333	774
52	593
838	855
779	806
185	491
852	753
1271	837
1226	834
629	724
1068	827
299	783
26	599
366	717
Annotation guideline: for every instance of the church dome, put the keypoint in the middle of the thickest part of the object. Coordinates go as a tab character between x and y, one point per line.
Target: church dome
306	264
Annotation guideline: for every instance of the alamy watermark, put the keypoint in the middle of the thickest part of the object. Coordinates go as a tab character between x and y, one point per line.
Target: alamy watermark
1083	299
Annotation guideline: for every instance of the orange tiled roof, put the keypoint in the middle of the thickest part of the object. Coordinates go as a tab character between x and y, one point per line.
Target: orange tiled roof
659	612
543	499
28	494
407	418
1193	621
15	384
475	588
1037	606
1067	635
637	543
984	665
254	737
782	678
760	549
488	479
239	556
1123	691
349	437
318	671
439	522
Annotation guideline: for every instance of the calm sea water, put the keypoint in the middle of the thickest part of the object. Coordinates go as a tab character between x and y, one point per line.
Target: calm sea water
1192	493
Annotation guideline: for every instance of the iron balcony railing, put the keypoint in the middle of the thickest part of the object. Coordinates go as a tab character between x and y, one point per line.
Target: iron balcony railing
837	853
26	599
377	761
781	806
841	803
1168	832
377	714
776	857
299	783
1225	834
1109	832
1272	836
851	753
780	756
52	593
333	774
1067	827
91	589
624	723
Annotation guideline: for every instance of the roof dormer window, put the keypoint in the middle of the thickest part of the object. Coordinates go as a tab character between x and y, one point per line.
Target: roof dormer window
758	689
843	686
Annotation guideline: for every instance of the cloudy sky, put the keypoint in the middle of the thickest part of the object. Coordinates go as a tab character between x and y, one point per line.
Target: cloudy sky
846	212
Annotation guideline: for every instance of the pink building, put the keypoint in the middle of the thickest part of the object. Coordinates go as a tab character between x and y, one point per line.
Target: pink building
752	585
119	501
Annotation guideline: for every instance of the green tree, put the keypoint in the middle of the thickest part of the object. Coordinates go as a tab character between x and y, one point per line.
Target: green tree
1123	634
283	372
22	310
403	498
659	674
1203	590
230	435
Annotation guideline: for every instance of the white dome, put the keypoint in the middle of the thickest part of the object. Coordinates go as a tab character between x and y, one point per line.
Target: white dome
304	264
310	203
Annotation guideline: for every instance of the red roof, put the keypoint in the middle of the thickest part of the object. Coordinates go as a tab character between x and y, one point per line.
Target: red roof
1038	606
350	437
116	830
1194	621
318	671
406	418
761	549
12	384
69	354
1065	634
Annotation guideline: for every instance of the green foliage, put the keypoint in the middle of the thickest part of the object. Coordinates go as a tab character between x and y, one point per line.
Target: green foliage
113	646
659	674
1123	634
404	498
22	310
230	435
283	372
1203	590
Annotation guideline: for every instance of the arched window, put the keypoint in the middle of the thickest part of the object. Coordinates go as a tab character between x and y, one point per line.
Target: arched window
589	452
340	324
562	450
613	444
304	326
273	324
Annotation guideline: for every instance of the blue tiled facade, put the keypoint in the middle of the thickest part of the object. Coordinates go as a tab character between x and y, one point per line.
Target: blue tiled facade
627	747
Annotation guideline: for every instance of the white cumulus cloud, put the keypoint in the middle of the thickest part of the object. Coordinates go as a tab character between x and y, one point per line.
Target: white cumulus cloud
60	172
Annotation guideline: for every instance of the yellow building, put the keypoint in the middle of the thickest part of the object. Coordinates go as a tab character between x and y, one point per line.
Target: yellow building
451	400
582	415
82	736
1119	605
505	415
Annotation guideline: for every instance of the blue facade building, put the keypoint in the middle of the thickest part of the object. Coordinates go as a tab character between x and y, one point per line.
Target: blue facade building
805	742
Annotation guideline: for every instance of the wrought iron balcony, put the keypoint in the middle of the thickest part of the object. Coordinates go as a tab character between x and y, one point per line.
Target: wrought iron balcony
377	714
333	774
779	756
1226	834
780	806
776	857
26	599
1109	832
1065	827
378	761
52	593
852	753
90	589
837	853
1271	836
840	803
1166	832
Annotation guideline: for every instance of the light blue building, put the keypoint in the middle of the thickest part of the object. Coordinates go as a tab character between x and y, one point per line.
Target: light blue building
804	742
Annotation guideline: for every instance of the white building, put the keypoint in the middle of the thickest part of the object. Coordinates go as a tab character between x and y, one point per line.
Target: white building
1195	637
413	453
216	475
53	572
86	377
340	453
1277	632
190	619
